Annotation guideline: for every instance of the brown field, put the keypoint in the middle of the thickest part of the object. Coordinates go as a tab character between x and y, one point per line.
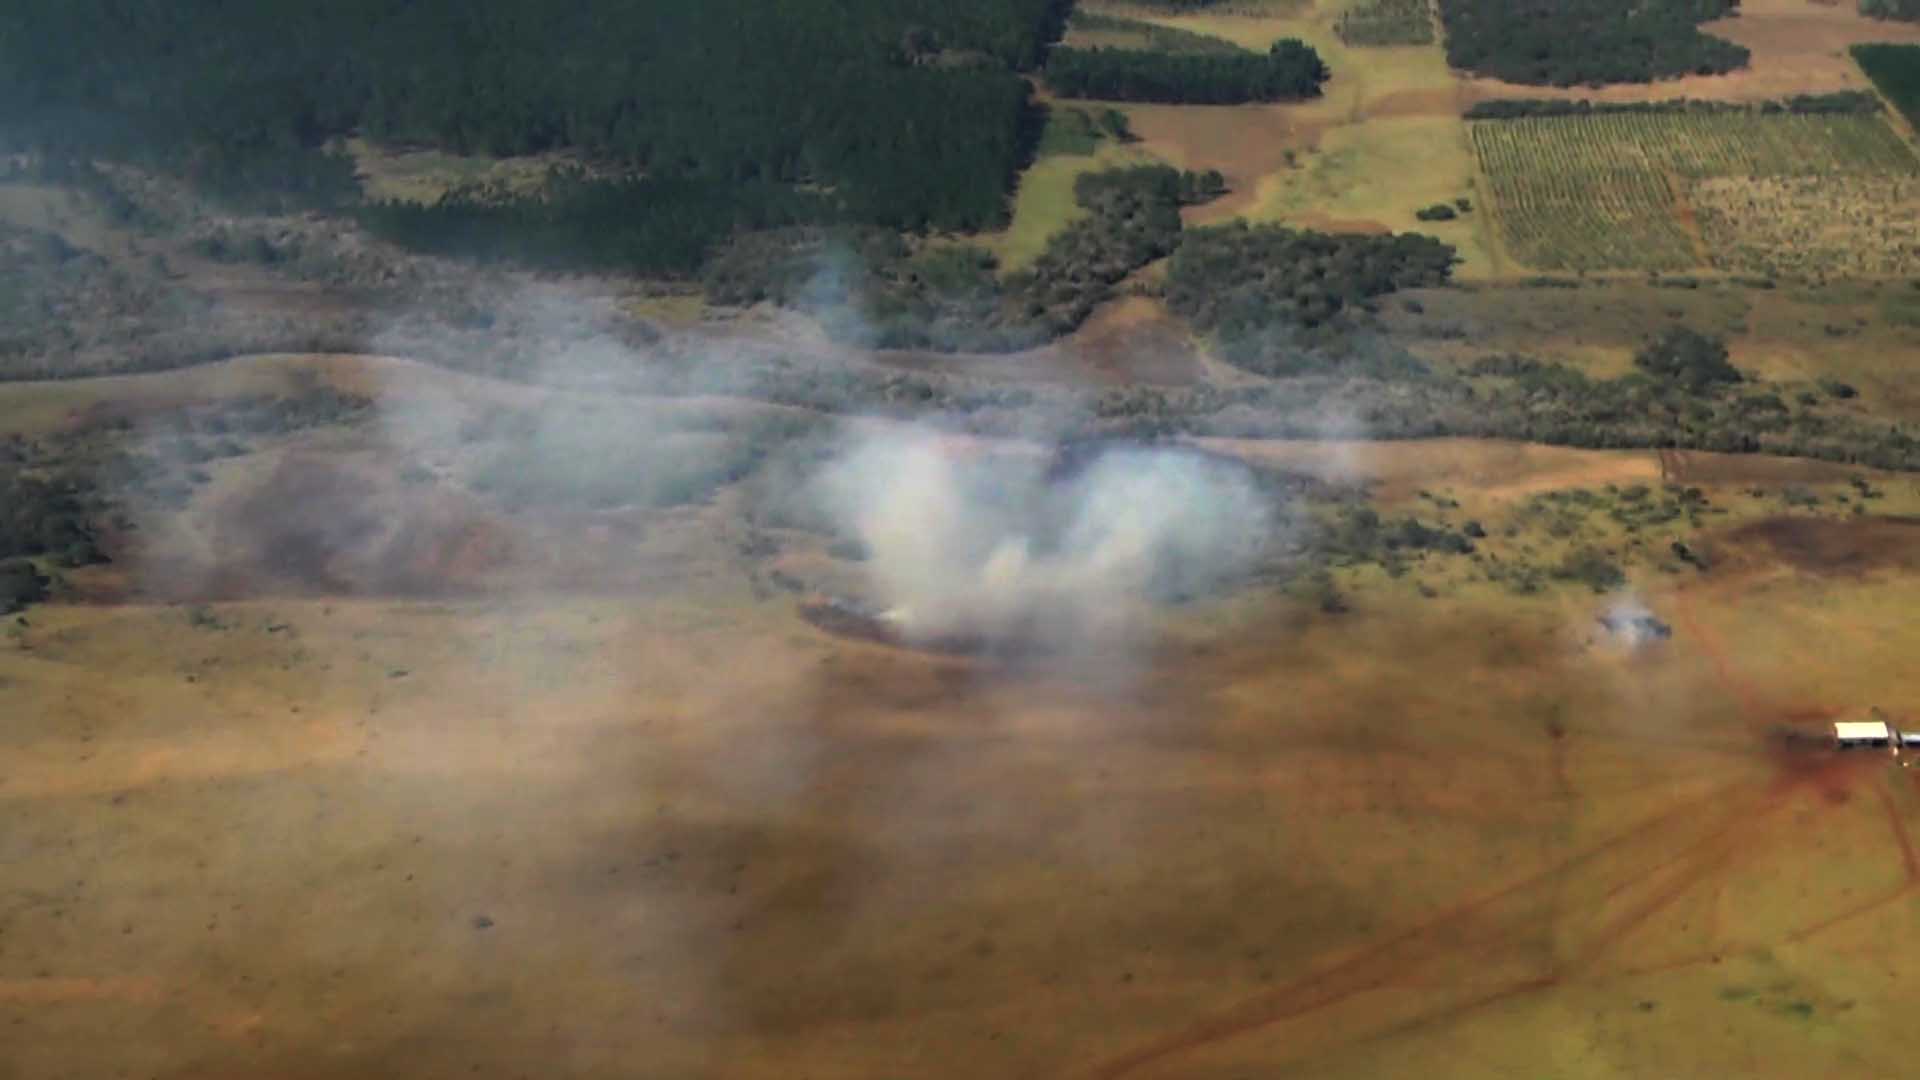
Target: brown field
584	799
1245	142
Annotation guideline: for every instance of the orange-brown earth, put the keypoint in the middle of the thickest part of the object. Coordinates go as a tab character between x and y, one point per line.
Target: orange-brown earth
1244	142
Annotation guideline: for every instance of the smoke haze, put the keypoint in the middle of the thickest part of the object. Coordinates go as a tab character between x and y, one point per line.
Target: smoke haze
1001	545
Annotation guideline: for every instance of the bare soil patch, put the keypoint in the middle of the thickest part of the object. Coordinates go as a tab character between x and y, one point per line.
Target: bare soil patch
1429	102
1244	142
1842	547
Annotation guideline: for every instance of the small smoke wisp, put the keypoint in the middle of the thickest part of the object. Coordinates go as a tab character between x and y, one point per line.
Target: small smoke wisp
1631	625
1005	547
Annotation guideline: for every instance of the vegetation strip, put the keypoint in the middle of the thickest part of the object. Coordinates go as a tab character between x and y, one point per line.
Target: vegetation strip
1590	42
1290	71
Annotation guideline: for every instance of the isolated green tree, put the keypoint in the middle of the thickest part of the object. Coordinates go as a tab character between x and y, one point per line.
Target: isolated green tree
1687	358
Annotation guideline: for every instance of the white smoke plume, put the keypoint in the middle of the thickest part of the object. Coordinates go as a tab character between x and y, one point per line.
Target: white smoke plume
1631	625
1001	546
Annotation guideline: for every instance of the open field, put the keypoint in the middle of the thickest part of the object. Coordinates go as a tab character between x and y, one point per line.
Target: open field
1753	193
1386	139
1373	175
639	817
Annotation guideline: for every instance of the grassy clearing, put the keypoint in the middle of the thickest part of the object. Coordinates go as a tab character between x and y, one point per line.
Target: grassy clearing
1373	176
1072	130
1044	202
422	176
1077	140
1617	191
1089	29
1361	76
1387	22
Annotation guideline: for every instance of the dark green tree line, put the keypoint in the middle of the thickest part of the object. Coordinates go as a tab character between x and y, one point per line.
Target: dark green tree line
1587	42
1289	71
906	113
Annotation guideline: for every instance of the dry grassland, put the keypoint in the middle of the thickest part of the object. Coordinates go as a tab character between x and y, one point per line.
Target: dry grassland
560	842
650	820
1811	227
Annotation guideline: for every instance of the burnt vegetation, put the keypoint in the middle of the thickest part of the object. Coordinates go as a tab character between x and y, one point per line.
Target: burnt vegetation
1587	42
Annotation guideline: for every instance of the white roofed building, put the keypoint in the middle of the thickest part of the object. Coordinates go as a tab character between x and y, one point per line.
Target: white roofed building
1862	733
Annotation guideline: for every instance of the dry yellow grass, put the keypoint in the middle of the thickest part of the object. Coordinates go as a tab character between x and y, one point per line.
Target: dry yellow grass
1017	853
1811	227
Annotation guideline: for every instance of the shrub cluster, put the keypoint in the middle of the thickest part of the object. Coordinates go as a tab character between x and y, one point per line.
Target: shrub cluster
1290	70
877	289
1587	42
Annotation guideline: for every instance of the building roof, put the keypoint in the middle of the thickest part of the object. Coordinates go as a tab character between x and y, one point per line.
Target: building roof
1855	730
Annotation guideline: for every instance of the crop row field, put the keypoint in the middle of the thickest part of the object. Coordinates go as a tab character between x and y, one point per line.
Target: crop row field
1768	193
